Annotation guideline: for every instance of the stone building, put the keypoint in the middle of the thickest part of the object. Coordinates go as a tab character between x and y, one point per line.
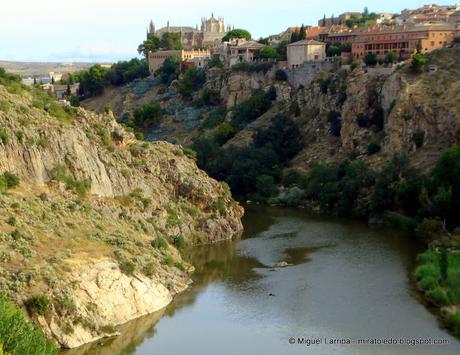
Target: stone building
240	51
208	36
305	51
403	40
197	56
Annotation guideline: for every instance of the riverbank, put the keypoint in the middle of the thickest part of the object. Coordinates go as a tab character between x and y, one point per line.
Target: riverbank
438	278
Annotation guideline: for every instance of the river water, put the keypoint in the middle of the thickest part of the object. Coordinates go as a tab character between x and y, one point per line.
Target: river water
346	284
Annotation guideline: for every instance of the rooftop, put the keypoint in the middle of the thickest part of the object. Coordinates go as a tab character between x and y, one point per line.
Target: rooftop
307	42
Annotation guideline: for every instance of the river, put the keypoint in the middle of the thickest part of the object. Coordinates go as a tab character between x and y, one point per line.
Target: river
346	282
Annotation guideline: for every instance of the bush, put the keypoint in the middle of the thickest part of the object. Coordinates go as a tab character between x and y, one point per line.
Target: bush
418	62
178	241
370	59
159	243
281	75
425	271
18	335
38	304
4	137
127	267
169	70
428	283
453	322
438	297
373	148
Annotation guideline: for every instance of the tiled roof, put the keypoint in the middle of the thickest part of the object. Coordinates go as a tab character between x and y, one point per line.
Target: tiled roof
307	42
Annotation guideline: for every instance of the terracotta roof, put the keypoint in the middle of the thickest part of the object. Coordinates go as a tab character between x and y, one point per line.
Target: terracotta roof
307	42
314	31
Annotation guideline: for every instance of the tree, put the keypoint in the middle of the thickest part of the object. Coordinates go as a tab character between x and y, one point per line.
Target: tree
169	41
391	57
302	33
370	59
93	81
192	80
237	33
170	70
418	62
268	52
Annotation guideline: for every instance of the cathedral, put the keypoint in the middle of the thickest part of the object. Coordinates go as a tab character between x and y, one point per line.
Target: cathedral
208	37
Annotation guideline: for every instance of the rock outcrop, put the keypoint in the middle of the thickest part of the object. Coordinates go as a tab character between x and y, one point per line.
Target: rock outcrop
95	229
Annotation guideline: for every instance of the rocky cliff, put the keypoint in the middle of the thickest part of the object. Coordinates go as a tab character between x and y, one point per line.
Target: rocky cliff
93	235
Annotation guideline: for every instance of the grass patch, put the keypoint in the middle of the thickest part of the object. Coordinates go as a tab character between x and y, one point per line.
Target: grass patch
18	335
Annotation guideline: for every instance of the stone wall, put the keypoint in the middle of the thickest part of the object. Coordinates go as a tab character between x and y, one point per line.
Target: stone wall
307	72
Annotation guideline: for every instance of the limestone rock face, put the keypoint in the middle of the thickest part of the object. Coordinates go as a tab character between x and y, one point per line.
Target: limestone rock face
118	298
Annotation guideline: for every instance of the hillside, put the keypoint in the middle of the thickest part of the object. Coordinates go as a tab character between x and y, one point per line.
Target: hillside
93	234
26	69
407	107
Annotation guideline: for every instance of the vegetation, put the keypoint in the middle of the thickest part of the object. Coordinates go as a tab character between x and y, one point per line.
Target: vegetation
438	276
169	70
366	17
253	171
268	52
18	335
192	80
333	50
8	181
169	41
237	33
418	62
96	78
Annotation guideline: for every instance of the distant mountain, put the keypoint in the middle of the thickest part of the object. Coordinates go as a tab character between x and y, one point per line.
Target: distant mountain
26	69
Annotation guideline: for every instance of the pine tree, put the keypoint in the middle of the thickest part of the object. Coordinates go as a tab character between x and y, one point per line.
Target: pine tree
302	33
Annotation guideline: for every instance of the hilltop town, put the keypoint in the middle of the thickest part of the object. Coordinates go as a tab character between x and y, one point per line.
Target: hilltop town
352	36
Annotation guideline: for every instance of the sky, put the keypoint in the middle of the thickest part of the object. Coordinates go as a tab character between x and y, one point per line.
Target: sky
110	30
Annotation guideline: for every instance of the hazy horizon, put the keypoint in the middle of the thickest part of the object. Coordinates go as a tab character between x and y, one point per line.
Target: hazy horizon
102	31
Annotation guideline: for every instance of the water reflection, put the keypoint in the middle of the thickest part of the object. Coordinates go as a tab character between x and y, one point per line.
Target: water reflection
343	280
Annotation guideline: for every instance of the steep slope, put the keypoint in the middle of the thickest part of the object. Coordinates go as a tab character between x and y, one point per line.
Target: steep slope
93	235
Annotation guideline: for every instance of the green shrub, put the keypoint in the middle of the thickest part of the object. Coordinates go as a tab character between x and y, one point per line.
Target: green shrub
4	106
103	134
38	304
426	270
127	267
428	283
4	137
453	322
18	335
438	296
20	136
149	269
168	260
178	241
160	243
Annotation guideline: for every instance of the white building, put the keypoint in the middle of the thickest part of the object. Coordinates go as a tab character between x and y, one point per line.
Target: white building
305	51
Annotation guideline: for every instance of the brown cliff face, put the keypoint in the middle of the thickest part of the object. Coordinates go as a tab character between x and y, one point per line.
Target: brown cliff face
120	241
